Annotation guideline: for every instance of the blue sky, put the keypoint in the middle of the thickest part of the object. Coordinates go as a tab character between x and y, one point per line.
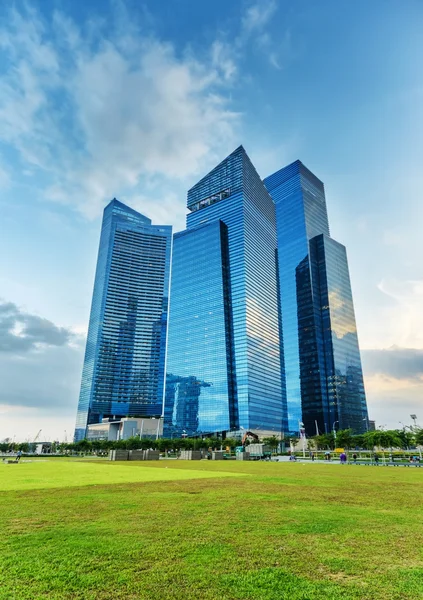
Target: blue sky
138	100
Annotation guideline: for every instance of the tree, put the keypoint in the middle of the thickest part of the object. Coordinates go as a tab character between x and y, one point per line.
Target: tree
358	441
325	440
214	443
272	441
96	445
311	444
383	439
231	442
369	439
391	439
406	437
133	443
419	437
387	439
82	446
164	444
189	443
344	438
292	441
68	447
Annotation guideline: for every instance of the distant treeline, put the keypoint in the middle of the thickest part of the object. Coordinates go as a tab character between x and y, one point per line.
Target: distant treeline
390	439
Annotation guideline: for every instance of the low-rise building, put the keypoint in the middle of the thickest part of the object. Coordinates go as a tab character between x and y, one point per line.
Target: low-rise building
125	428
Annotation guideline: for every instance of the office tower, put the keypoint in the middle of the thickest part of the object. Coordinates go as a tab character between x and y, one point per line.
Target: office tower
223	361
324	380
123	373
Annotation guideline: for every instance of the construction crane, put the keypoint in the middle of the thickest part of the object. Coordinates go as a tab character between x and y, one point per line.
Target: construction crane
37	436
249	434
256	451
32	446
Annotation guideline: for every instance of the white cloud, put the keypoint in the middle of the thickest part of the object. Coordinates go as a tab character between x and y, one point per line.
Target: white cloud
161	210
404	316
258	15
99	114
102	107
227	52
255	28
47	381
23	423
21	332
394	383
40	374
397	317
270	158
223	58
391	400
4	177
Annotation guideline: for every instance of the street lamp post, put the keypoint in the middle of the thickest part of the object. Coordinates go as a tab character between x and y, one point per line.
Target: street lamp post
414	429
404	427
334	432
302	435
383	428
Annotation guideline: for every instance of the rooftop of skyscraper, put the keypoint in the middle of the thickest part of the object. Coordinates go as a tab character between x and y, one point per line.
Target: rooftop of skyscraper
125	211
292	170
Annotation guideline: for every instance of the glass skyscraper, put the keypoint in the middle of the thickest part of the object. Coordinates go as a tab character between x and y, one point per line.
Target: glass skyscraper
124	365
224	368
324	380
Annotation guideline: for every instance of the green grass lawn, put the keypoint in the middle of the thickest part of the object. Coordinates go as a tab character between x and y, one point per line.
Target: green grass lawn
187	530
45	474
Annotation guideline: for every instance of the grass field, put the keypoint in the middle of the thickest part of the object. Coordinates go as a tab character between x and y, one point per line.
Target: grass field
179	529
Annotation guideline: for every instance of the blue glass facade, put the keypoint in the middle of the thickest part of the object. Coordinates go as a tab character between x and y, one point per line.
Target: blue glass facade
324	382
224	360
200	387
345	387
123	372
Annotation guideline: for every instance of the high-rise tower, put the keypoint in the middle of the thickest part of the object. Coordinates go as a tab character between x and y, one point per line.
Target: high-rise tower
224	363
123	373
324	379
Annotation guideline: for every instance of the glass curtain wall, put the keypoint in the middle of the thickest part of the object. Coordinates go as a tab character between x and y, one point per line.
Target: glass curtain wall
345	387
123	372
300	215
200	381
234	194
324	383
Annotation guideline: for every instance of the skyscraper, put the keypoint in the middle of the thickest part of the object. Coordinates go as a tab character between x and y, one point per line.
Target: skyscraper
123	372
324	380
223	362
